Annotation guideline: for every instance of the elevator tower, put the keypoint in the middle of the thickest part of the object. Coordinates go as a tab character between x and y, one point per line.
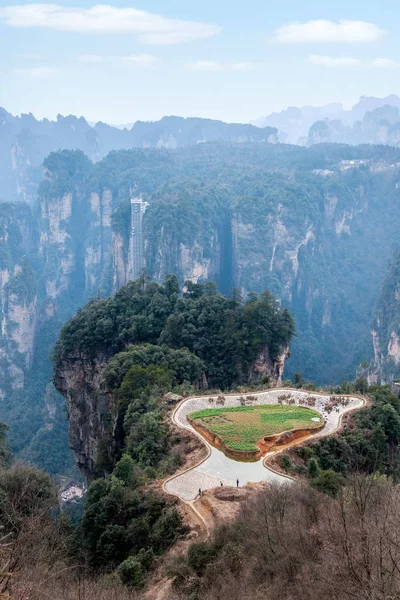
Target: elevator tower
138	208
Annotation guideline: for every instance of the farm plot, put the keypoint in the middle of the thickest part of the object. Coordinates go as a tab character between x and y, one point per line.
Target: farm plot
240	427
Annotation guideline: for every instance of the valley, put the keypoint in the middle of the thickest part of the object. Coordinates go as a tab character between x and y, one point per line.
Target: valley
248	216
199	301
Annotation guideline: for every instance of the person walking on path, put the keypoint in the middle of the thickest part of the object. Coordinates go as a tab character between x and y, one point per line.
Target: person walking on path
199	491
237	482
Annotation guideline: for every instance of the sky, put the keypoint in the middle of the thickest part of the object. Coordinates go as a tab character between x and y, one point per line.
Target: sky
126	60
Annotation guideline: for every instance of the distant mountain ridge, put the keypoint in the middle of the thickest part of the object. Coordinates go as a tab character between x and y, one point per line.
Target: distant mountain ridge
25	142
295	123
378	126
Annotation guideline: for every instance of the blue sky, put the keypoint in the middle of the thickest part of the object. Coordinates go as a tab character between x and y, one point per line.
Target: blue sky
224	59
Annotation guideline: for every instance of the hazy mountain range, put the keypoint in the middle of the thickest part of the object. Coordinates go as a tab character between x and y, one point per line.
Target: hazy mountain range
294	122
25	141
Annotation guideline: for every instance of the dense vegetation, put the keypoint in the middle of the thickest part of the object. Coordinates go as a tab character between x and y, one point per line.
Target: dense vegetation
226	334
138	379
259	217
125	527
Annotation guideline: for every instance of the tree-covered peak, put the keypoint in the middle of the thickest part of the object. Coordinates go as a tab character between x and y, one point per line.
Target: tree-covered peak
65	170
227	334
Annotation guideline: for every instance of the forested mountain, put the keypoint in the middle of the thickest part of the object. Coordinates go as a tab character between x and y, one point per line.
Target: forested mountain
26	141
317	227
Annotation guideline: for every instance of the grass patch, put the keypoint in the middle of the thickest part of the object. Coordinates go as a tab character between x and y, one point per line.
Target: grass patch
240	427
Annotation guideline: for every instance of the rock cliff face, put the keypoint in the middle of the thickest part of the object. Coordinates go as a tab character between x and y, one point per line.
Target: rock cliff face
198	261
386	328
319	264
80	381
18	298
264	366
52	259
98	243
56	248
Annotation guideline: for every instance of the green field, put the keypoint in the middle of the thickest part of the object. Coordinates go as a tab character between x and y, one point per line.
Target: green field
240	427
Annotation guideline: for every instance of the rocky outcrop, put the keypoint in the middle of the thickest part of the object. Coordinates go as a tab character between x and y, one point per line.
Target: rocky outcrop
56	247
51	262
198	261
18	299
268	368
91	423
386	329
98	243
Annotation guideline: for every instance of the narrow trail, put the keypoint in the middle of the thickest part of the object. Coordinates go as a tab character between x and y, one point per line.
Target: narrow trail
190	503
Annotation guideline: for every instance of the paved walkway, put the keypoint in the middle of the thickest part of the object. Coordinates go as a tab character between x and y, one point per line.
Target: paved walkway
218	468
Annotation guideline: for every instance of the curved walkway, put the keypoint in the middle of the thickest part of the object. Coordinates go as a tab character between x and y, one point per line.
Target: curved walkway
217	468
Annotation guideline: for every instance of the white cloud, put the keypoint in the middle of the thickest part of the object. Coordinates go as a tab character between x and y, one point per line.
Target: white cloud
349	61
243	66
328	32
29	56
384	63
211	66
331	63
92	58
37	72
143	61
150	28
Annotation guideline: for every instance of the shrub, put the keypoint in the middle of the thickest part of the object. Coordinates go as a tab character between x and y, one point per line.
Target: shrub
131	572
199	556
329	482
286	462
313	468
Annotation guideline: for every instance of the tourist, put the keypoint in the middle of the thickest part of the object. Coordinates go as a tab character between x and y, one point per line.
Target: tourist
237	482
